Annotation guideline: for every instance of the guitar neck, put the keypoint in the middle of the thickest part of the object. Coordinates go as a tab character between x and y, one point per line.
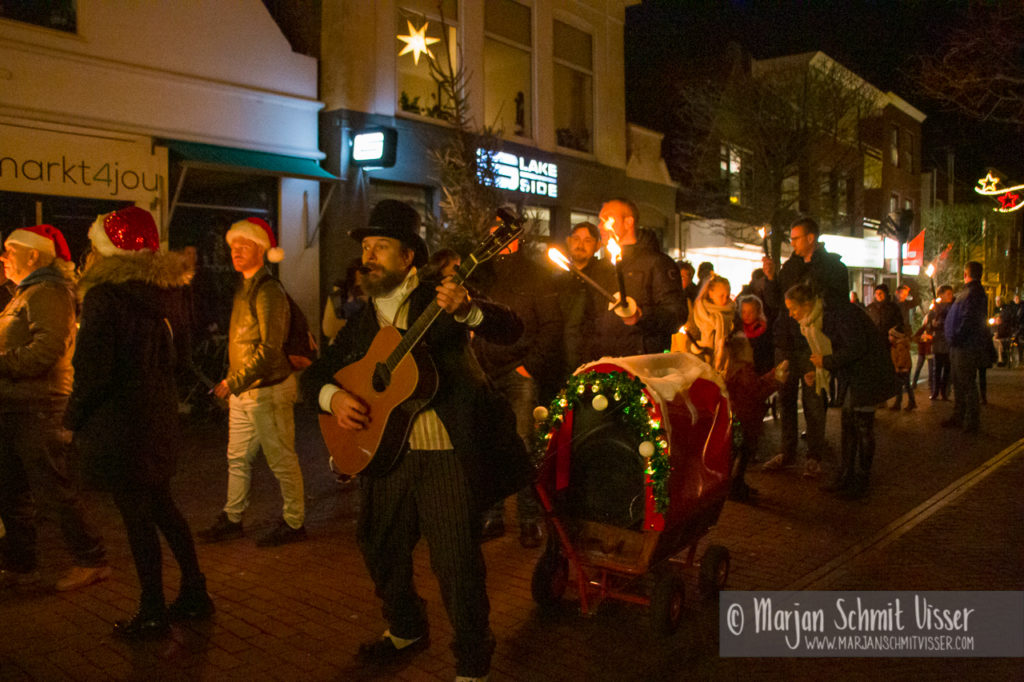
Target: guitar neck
419	328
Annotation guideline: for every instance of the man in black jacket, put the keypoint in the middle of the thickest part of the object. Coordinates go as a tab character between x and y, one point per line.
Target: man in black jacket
652	280
580	303
462	452
825	273
527	372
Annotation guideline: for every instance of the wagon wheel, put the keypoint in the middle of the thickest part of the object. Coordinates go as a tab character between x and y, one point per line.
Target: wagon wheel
714	570
550	578
667	599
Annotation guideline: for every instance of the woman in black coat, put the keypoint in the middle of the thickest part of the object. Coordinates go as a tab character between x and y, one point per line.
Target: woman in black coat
123	406
860	359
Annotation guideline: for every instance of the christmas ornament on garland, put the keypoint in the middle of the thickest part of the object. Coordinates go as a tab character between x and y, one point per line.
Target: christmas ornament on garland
621	392
1009	198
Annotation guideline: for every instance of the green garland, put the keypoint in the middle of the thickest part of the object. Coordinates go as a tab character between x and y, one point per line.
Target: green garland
624	393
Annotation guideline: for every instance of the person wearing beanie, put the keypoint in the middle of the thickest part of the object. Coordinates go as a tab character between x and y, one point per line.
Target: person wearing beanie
37	334
462	453
260	388
123	408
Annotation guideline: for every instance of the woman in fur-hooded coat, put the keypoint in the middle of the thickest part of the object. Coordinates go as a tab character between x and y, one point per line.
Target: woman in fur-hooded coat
123	406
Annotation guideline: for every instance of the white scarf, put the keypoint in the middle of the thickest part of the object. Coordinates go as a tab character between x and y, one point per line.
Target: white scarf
390	305
714	324
810	327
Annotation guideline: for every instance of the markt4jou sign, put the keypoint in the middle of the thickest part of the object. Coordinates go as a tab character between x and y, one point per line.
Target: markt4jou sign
66	161
517	173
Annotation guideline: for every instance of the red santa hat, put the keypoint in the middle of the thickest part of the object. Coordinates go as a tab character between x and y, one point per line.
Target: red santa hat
43	238
257	230
125	232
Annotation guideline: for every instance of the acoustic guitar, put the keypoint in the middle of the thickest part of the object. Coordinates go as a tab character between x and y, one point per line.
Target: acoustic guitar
397	378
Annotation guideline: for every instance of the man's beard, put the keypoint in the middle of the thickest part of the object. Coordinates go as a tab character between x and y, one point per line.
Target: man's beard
580	258
381	282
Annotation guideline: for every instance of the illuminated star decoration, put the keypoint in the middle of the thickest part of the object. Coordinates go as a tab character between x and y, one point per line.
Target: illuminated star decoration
988	183
1008	197
417	42
1009	201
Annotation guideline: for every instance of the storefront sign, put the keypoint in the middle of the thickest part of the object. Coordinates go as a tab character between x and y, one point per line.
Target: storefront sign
519	174
59	160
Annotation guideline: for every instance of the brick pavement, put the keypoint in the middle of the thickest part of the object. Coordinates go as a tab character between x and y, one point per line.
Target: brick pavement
299	612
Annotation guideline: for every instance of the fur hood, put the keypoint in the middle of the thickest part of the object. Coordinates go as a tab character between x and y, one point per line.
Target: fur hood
167	270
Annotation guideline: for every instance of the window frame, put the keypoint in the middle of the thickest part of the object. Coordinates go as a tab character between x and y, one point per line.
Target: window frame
531	114
591	73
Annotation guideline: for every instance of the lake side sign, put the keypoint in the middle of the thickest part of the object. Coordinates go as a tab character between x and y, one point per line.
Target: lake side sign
518	173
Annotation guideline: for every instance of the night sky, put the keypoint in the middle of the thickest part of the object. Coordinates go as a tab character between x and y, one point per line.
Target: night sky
875	39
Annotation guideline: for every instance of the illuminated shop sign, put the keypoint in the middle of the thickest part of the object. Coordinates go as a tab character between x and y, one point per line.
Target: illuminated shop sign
375	147
519	174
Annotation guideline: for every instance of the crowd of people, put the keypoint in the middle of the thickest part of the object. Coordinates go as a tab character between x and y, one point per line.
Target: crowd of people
490	349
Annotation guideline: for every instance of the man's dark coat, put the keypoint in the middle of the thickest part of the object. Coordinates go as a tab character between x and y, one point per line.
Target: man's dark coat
479	421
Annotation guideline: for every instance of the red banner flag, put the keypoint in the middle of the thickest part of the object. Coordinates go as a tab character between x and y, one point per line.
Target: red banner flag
915	251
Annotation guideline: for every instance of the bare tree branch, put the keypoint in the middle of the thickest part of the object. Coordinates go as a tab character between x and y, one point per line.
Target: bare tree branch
979	69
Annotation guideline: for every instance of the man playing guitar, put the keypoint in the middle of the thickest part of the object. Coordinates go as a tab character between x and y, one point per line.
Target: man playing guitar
461	452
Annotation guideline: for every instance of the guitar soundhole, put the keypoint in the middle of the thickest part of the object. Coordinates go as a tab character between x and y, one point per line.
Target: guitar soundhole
381	377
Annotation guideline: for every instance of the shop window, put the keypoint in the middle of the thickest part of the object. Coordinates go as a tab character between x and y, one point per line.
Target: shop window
60	15
577	217
574	83
735	173
538	221
508	67
421	38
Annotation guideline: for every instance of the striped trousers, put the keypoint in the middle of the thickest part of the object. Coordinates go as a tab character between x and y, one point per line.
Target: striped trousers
427	494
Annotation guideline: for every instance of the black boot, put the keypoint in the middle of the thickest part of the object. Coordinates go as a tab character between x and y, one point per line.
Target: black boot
193	603
146	623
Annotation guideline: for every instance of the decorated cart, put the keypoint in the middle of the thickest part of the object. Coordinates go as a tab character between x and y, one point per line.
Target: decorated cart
634	460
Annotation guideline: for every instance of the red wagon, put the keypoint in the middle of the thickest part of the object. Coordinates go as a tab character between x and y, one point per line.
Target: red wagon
635	470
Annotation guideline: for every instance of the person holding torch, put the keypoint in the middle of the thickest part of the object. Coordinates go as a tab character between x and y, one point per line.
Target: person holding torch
650	279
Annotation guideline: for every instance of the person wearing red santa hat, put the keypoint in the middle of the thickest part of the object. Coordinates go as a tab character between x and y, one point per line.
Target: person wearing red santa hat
37	331
260	388
124	406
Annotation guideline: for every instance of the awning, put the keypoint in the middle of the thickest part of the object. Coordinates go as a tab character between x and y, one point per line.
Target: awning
213	157
195	155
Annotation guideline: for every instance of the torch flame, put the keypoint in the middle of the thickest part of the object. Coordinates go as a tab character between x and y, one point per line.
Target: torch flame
558	258
930	270
761	232
614	251
682	330
991	320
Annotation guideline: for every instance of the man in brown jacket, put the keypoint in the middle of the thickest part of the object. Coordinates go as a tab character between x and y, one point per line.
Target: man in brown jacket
37	331
261	387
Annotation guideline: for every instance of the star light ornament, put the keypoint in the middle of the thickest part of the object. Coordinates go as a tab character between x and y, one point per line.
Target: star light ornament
417	42
1008	197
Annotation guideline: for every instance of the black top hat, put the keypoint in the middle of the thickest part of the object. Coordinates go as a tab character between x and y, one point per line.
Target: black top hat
396	220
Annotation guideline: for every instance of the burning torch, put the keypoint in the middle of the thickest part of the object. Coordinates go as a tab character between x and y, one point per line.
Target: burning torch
930	271
559	259
763	233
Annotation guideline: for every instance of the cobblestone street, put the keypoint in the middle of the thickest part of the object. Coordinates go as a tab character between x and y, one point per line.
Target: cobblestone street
300	611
